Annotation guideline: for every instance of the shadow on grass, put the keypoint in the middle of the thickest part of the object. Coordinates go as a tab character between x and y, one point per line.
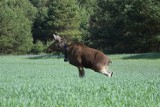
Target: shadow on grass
125	57
143	56
45	56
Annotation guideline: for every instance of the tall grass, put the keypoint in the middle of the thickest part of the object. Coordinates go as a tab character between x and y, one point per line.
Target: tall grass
45	81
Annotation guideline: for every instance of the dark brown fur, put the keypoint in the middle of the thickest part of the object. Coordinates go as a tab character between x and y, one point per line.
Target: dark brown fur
82	56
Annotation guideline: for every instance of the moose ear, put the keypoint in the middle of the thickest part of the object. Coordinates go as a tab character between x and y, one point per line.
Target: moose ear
57	38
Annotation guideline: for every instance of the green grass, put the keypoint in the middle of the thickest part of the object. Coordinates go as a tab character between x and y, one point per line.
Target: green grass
45	81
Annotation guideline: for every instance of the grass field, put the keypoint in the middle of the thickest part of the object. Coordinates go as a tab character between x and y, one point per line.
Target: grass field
45	81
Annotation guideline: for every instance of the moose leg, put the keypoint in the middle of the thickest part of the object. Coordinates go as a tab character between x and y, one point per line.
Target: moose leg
81	72
65	56
65	53
106	72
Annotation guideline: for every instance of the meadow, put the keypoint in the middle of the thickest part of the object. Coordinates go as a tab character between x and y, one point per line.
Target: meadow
45	81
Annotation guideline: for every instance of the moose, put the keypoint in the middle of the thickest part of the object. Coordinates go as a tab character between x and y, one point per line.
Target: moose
82	56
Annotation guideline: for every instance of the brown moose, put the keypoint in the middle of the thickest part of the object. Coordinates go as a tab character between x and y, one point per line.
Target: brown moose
82	56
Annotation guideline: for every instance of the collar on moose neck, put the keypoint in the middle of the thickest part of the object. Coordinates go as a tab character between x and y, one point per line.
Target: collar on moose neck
65	52
66	45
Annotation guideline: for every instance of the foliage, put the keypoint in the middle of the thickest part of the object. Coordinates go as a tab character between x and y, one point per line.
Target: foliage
15	26
40	28
58	16
89	5
127	26
43	80
37	48
40	3
114	26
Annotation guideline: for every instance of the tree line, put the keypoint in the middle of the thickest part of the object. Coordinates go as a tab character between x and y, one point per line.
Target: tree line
114	26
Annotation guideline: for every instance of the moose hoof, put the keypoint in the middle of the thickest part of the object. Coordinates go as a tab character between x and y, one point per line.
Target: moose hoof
65	60
110	75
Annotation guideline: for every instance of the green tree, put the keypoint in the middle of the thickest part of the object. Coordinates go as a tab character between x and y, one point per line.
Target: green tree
90	5
40	3
64	18
126	26
40	27
87	8
68	18
15	26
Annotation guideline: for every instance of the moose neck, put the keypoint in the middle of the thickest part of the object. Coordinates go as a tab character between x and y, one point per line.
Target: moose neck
66	45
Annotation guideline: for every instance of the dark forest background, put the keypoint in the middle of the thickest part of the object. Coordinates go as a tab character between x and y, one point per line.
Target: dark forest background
113	26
